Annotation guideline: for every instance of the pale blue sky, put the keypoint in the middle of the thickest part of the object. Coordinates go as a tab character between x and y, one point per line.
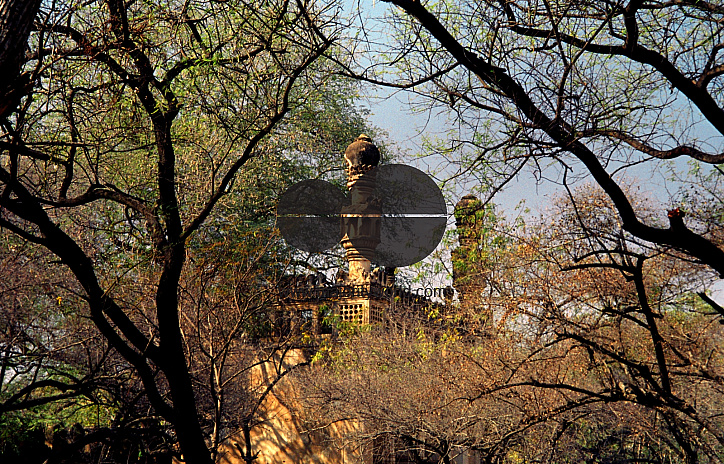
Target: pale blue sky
407	130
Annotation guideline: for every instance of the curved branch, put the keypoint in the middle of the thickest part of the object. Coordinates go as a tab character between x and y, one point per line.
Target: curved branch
68	391
251	146
681	150
111	192
101	305
678	237
695	91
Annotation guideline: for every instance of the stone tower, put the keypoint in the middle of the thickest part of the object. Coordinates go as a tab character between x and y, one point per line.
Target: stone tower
468	220
364	294
365	300
361	218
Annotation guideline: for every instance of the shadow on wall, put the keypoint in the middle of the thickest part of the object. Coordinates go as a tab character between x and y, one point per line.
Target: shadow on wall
280	438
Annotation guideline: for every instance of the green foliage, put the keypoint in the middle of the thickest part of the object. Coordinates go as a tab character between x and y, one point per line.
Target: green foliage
24	428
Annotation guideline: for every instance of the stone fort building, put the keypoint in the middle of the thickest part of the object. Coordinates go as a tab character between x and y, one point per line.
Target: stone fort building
361	294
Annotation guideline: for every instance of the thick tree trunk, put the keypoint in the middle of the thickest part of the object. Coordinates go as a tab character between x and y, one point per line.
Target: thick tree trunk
173	362
16	20
174	366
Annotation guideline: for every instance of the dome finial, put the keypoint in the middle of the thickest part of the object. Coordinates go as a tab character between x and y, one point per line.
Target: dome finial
362	152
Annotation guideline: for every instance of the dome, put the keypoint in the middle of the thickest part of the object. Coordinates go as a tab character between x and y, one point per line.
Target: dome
466	210
362	152
467	204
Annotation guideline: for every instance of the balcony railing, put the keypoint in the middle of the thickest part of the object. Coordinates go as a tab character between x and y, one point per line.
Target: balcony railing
394	294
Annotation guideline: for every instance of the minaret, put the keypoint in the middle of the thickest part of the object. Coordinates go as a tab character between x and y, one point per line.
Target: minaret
361	224
468	217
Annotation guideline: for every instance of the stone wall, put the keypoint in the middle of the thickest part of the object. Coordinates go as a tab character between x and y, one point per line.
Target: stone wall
281	436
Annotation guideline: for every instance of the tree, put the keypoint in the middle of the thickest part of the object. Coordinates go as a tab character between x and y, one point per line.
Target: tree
591	88
626	308
54	371
16	20
592	348
598	82
141	118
